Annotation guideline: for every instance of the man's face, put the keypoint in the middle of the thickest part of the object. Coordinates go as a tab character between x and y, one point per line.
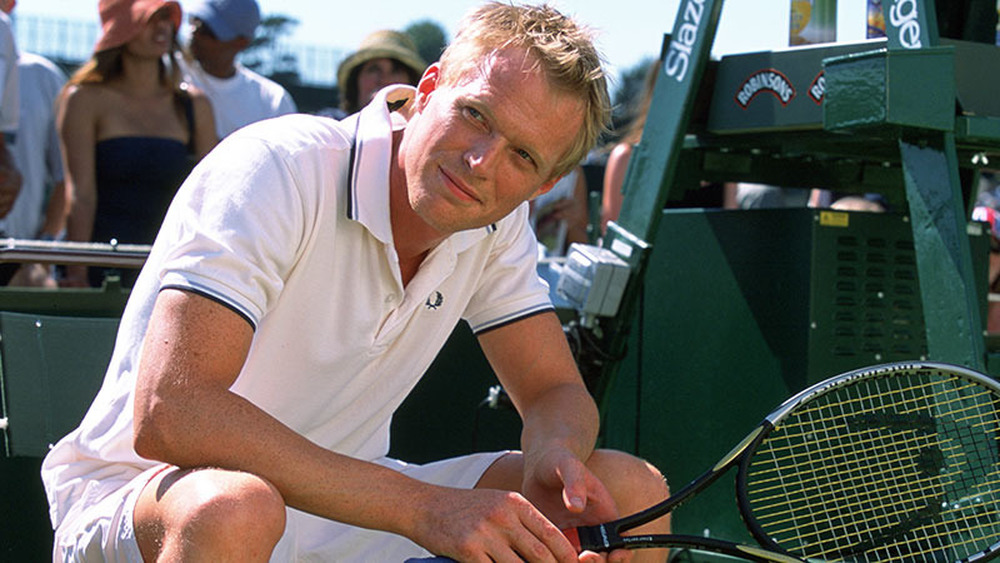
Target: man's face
477	149
203	39
155	38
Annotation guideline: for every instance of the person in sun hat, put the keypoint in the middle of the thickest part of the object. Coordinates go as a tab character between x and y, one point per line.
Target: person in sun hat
129	130
123	20
220	31
37	157
384	57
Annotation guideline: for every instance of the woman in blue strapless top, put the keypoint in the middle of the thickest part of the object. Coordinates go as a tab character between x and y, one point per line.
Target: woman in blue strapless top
130	131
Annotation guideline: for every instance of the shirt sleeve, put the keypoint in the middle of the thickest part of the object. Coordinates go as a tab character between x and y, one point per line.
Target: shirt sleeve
236	227
509	288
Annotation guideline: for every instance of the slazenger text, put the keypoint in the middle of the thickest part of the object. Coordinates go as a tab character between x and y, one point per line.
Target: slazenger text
679	54
903	17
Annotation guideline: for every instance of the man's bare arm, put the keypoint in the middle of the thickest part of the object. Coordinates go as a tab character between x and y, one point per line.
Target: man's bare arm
186	415
534	363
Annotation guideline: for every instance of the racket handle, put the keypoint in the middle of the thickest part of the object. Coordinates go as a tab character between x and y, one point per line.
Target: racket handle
599	538
572	534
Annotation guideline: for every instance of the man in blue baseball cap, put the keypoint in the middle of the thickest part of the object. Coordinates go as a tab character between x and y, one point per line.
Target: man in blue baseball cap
220	30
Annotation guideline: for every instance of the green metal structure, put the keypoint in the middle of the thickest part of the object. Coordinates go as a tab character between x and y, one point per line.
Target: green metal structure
54	348
884	120
728	313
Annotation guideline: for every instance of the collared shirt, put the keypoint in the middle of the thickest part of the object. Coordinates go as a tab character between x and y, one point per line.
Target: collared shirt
287	223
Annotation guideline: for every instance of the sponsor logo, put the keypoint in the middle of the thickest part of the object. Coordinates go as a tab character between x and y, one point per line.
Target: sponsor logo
767	80
679	54
818	88
903	18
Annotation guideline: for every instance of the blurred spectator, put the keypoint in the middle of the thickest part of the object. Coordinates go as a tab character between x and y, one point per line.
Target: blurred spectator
384	57
220	30
559	216
873	202
129	131
991	217
10	177
40	210
761	196
709	195
858	203
988	189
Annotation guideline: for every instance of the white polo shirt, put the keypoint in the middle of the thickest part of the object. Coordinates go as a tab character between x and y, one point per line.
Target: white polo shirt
287	223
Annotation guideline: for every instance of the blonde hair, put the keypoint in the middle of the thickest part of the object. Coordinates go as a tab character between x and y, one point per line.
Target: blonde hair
563	49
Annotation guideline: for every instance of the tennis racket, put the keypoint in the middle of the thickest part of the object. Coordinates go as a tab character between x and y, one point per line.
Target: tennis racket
896	462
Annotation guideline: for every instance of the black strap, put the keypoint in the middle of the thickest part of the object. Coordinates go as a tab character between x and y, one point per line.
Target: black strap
187	104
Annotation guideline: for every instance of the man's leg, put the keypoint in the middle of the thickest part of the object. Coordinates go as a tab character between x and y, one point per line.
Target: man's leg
634	484
208	515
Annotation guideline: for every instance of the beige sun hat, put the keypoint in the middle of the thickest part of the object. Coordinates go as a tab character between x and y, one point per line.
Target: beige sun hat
382	44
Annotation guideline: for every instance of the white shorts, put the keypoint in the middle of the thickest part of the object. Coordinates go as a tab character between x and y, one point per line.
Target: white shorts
104	531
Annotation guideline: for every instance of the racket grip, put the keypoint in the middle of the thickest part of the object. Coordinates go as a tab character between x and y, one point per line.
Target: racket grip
599	538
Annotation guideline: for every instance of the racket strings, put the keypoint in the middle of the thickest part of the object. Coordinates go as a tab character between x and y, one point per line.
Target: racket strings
897	468
925	539
857	486
853	485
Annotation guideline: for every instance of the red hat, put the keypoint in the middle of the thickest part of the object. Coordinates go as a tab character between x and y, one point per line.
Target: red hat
121	20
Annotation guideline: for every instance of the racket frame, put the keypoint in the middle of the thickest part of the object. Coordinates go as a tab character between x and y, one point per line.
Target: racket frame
609	535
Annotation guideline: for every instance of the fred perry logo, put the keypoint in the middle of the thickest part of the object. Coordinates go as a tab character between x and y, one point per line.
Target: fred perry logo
434	300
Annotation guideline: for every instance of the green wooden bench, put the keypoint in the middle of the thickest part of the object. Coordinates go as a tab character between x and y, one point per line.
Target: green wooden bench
50	369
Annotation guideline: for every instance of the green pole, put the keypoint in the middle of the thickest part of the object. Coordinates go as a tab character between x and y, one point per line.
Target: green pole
952	320
653	167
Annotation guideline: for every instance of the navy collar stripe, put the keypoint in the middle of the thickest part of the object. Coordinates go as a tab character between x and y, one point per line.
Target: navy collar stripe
352	200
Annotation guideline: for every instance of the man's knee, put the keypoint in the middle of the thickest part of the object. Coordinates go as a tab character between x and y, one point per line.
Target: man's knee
227	499
633	482
635	485
210	510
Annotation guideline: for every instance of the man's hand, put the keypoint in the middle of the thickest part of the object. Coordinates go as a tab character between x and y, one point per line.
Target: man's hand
490	525
570	495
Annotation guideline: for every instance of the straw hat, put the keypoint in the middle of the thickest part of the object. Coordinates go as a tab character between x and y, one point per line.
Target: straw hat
122	20
383	44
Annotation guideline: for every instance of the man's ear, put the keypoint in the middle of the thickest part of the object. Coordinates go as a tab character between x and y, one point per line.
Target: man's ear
428	83
545	187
